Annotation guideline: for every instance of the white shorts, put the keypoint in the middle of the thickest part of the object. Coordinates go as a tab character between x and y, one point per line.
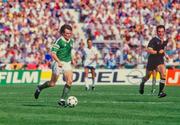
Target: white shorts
66	66
89	63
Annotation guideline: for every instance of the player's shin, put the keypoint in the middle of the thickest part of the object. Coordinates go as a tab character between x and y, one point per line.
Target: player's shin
66	90
86	83
143	81
161	88
141	87
44	85
40	88
93	83
161	85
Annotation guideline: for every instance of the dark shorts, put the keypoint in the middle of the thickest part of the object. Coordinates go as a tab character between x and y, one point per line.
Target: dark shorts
89	67
153	65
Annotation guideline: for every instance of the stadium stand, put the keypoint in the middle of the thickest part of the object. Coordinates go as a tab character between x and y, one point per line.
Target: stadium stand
121	28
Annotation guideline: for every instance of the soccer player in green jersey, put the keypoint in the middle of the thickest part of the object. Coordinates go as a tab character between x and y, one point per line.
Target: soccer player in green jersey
61	53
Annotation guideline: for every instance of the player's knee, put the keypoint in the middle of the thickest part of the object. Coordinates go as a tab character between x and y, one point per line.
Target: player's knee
69	82
52	84
86	75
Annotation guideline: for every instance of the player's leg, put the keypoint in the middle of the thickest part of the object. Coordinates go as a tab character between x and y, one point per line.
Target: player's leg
47	84
86	70
68	75
162	71
154	73
50	83
55	74
144	79
93	78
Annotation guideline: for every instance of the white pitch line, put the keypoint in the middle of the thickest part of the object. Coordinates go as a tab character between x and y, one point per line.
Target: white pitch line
125	102
118	94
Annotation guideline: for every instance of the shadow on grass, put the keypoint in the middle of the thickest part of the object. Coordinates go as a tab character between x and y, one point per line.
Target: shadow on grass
37	105
42	105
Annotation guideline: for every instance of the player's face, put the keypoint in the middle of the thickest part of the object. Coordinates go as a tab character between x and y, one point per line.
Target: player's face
67	34
160	33
89	43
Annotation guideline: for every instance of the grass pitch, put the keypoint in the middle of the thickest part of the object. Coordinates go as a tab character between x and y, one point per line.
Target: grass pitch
107	105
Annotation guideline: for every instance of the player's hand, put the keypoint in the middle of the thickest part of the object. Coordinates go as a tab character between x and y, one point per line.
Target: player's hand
167	58
74	62
60	64
161	51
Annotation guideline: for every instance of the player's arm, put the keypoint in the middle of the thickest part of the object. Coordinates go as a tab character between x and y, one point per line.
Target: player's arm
96	57
151	46
54	56
162	51
75	57
166	56
151	51
54	50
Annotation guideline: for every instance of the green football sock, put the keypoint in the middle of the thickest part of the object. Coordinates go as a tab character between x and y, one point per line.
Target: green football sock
66	90
44	85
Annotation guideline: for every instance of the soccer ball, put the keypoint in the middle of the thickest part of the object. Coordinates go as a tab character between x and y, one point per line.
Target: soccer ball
72	101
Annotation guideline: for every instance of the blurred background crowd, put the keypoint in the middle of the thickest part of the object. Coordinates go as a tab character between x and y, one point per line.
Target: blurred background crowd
120	29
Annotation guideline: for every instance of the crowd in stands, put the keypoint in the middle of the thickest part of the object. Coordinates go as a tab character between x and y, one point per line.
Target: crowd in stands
120	29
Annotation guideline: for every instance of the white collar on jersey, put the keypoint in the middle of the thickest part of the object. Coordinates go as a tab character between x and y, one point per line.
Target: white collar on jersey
65	39
159	38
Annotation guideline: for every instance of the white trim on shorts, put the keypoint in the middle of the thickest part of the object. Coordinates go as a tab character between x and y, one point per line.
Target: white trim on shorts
60	70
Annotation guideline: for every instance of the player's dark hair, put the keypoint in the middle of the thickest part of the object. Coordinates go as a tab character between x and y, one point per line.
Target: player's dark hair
160	26
89	39
65	26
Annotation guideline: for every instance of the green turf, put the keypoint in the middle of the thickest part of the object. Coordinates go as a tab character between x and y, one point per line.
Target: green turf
107	105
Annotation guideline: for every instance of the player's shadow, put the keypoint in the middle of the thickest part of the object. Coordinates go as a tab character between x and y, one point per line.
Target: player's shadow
35	105
38	105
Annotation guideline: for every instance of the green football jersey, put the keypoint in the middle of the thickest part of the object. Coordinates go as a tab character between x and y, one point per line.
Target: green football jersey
62	48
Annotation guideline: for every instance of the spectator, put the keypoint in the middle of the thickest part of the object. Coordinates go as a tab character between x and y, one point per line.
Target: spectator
31	27
111	61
